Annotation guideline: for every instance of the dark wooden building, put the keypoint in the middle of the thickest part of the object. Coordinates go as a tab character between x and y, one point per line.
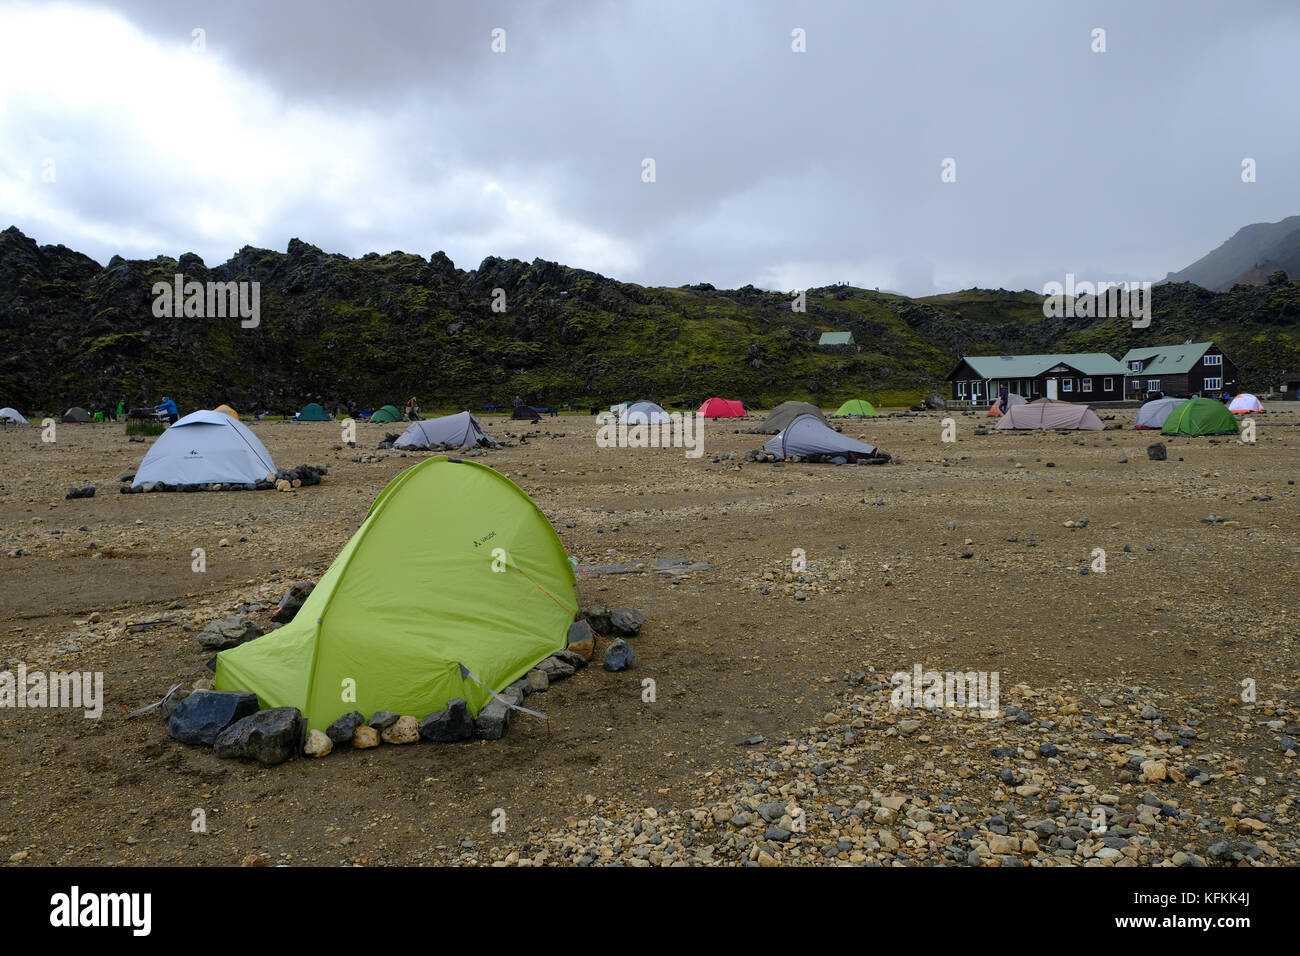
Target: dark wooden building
1193	368
1085	377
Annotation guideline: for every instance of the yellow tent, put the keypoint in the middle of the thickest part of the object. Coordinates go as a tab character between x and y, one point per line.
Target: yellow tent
228	410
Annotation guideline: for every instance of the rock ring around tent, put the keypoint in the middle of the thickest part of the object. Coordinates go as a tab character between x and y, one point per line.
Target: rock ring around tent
455	586
449	433
808	438
209	450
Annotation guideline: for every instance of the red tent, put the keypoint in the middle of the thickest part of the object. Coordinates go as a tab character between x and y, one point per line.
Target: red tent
722	408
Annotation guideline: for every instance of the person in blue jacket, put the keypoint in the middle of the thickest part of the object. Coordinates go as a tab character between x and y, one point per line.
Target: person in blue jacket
168	408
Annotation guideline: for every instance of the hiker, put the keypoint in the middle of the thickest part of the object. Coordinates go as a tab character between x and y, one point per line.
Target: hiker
168	408
518	401
412	409
121	409
1002	398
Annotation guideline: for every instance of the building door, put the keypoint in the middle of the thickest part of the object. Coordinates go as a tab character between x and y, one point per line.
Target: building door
1051	389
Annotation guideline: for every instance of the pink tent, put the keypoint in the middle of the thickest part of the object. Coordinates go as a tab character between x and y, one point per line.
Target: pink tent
722	408
1047	415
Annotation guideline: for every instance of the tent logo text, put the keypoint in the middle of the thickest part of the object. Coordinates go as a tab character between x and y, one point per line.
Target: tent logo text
1101	300
77	689
977	690
215	300
679	431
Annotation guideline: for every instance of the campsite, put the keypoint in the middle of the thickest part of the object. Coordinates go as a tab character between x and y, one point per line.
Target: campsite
968	554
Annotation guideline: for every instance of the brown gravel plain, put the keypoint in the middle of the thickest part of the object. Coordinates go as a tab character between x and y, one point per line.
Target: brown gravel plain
1185	611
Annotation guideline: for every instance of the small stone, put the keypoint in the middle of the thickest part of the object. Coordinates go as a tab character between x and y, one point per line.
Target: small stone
450	724
404	730
364	738
619	655
343	729
318	744
382	719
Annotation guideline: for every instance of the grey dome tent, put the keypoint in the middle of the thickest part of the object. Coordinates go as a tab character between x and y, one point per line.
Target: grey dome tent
1045	415
12	415
785	413
1153	413
77	414
645	413
809	435
205	447
461	430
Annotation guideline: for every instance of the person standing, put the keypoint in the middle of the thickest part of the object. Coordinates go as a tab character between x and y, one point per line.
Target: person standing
1003	392
168	408
121	409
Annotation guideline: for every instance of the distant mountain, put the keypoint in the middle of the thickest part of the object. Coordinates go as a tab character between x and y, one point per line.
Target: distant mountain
380	328
1248	258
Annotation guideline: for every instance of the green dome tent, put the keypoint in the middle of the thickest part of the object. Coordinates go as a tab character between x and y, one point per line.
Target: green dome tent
1200	416
313	413
412	601
856	406
388	413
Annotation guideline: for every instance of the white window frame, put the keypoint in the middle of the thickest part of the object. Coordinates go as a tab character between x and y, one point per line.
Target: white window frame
1153	385
1213	360
961	389
1067	385
1135	366
1108	384
1085	385
1212	383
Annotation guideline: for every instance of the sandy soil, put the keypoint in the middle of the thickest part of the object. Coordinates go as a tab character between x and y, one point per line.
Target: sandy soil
1190	611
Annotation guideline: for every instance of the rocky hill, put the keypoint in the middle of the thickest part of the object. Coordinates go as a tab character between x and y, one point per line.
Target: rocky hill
1253	254
379	328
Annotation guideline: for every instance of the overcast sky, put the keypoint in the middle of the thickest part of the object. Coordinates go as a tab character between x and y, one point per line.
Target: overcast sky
392	124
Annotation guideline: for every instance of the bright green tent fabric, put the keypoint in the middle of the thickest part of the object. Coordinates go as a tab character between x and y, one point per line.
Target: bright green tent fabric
313	413
388	413
1200	416
413	596
856	406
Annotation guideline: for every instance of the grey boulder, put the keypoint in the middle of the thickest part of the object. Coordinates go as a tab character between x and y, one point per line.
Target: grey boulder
203	715
449	724
268	736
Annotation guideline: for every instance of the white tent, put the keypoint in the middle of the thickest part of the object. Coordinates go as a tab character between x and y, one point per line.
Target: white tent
205	447
461	430
1245	402
645	413
11	415
1154	413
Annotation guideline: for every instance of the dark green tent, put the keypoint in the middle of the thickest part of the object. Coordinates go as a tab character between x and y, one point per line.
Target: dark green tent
388	413
313	413
1200	416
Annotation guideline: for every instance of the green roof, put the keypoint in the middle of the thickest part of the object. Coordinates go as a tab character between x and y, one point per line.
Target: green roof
836	338
1031	366
1168	359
